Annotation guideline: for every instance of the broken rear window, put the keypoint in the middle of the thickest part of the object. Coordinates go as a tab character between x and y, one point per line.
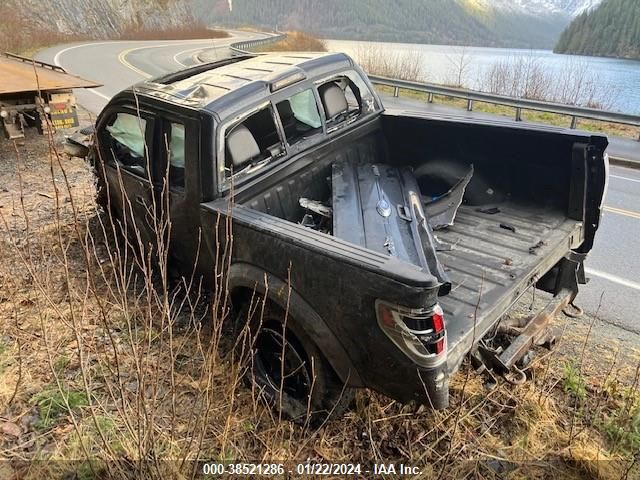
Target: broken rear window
252	143
345	98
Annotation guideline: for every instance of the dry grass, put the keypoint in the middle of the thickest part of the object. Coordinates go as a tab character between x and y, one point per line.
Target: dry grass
108	370
575	83
185	32
296	42
402	65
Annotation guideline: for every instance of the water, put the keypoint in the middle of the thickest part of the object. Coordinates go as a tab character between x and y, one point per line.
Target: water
613	84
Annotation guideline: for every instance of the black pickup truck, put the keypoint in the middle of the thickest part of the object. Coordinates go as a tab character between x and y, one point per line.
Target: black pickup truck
383	246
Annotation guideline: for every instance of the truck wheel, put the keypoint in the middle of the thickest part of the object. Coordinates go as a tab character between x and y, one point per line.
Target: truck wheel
303	387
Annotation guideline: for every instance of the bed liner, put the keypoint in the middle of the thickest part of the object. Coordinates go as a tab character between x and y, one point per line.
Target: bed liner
490	266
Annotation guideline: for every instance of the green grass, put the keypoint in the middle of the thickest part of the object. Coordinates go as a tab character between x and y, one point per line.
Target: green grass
624	430
60	364
52	405
573	383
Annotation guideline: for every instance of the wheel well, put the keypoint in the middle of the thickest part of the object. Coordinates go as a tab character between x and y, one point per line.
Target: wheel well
246	281
244	295
240	296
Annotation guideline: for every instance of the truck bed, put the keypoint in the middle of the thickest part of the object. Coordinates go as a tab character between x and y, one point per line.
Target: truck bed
490	266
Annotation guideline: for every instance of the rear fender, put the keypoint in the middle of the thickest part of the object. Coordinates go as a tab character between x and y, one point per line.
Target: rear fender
254	279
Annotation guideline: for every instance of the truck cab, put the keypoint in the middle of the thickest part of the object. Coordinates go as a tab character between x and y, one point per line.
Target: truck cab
383	246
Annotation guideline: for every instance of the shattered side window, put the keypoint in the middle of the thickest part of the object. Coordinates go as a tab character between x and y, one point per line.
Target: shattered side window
251	144
346	97
127	144
367	101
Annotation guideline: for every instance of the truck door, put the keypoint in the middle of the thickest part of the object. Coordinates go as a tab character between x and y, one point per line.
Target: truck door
128	150
180	140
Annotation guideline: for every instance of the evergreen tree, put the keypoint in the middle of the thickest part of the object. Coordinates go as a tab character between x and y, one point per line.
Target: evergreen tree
612	29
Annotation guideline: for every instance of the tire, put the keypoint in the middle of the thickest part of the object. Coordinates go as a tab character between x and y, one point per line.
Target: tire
312	393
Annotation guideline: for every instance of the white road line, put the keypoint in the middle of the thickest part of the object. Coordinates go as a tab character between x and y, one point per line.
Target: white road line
101	95
56	58
175	57
56	61
613	278
625	178
122	57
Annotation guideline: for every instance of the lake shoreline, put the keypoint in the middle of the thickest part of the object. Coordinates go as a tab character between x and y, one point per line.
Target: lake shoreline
612	82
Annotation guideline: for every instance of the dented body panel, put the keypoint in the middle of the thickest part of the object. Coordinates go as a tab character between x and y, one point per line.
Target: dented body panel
398	240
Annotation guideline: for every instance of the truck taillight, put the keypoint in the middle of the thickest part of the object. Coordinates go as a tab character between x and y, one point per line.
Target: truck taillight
419	333
428	326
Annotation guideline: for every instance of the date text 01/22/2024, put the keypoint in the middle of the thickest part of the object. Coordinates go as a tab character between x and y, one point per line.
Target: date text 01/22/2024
268	469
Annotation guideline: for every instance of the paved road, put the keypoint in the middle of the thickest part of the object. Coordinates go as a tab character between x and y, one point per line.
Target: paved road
613	265
119	64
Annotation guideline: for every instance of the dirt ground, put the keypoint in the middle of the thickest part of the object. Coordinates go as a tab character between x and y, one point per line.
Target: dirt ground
99	379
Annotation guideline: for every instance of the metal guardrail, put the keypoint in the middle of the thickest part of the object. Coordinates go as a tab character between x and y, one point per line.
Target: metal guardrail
243	48
518	103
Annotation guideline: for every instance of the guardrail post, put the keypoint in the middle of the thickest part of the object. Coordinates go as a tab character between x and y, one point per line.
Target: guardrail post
518	114
575	113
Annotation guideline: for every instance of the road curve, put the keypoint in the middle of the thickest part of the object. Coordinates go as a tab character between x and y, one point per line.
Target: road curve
120	64
613	265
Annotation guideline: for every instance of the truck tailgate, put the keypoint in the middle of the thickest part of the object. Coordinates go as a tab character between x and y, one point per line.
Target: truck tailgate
492	265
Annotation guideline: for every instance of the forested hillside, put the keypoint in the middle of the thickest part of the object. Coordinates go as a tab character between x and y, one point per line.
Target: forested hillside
469	22
612	30
500	23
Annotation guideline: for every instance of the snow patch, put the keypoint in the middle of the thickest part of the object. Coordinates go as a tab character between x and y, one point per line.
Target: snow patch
541	7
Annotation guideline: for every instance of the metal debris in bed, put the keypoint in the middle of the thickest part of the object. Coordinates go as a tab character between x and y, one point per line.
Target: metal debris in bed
442	210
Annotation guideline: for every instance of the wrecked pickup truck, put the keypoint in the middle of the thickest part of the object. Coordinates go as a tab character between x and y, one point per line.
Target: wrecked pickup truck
386	245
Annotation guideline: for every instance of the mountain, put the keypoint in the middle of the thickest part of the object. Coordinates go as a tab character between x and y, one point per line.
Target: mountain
500	23
577	7
610	30
569	8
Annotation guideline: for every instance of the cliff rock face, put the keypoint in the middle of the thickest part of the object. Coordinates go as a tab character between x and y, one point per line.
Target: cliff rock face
100	18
